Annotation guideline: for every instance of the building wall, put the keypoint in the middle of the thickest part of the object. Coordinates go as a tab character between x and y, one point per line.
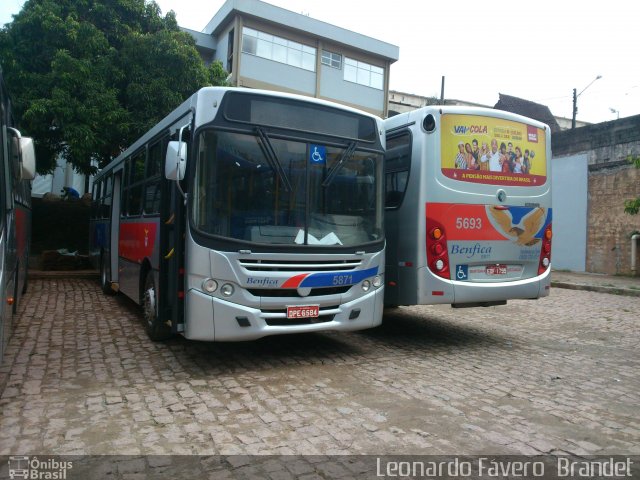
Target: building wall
610	229
334	87
611	181
326	82
259	72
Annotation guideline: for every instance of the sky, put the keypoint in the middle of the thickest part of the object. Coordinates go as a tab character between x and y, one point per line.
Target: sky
539	51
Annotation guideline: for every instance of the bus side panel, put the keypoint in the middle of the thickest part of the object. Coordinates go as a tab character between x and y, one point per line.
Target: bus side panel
138	239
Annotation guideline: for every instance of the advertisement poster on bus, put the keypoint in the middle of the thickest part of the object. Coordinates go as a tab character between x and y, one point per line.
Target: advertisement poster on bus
491	150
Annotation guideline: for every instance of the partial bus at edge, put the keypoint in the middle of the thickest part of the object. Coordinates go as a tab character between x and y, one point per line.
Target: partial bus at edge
17	168
468	207
247	213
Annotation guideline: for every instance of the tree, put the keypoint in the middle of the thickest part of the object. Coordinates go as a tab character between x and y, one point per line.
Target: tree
88	77
632	207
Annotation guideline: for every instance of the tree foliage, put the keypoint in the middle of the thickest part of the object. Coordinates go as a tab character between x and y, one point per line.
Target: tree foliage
632	207
88	77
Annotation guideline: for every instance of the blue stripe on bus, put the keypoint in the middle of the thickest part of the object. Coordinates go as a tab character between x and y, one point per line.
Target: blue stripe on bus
334	279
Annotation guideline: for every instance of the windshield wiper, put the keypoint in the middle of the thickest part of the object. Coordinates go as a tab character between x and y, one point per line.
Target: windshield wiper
271	156
346	155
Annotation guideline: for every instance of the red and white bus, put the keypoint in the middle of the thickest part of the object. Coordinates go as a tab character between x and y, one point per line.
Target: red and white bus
247	213
468	207
17	168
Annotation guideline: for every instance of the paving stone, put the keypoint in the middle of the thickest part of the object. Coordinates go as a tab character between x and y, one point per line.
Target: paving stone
555	375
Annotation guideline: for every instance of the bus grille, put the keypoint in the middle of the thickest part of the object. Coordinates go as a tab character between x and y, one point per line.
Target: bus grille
292	292
298	265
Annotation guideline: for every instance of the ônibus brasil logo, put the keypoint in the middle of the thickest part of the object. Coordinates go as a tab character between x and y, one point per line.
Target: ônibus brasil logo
21	466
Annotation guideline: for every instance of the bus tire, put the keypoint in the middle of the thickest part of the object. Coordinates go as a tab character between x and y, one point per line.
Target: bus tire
105	284
156	329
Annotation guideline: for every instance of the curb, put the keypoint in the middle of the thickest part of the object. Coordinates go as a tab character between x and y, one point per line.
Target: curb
61	274
596	288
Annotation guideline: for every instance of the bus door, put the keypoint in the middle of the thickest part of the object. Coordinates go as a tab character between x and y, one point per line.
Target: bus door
115	228
172	238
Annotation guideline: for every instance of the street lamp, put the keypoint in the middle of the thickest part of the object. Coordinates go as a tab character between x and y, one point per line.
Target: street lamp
617	112
575	101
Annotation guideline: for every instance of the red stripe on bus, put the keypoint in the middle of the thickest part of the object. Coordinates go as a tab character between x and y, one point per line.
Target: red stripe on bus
294	282
137	240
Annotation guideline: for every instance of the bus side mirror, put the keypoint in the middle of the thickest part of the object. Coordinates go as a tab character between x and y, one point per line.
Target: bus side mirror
27	159
175	161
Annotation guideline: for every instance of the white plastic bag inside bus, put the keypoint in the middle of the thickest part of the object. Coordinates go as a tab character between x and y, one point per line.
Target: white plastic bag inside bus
175	161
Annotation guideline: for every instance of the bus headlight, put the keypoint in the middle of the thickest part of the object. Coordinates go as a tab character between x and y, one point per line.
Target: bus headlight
366	285
227	290
377	281
209	285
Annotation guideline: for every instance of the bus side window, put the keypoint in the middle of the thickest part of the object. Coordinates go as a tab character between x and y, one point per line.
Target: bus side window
152	185
133	184
95	200
105	201
397	167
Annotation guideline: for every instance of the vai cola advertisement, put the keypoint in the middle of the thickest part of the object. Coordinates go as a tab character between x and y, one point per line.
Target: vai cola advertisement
491	150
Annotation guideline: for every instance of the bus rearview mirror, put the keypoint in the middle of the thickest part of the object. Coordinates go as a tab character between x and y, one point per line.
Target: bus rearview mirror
27	159
175	161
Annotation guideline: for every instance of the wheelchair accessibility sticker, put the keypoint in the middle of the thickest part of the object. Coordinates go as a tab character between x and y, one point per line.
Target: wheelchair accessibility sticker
317	154
462	272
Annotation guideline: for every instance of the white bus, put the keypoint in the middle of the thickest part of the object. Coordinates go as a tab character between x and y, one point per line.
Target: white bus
468	207
247	213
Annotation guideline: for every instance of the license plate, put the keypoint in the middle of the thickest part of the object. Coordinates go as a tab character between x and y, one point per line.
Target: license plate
303	311
496	270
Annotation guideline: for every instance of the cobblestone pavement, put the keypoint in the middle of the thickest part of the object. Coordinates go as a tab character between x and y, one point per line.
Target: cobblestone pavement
556	375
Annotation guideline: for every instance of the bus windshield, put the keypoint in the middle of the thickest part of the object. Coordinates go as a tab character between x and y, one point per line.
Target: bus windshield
268	190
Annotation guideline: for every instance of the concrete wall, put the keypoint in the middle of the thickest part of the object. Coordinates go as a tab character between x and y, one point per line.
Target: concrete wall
611	181
569	184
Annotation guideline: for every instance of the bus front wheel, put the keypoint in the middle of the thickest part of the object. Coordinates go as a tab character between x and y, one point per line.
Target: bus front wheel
156	329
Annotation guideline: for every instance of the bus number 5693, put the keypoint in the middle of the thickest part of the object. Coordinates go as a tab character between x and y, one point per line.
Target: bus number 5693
468	223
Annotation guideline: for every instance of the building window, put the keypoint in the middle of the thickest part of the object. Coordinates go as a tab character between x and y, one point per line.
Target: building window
230	52
332	59
278	49
363	73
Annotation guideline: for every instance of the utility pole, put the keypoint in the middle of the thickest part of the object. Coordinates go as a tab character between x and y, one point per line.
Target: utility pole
575	109
575	101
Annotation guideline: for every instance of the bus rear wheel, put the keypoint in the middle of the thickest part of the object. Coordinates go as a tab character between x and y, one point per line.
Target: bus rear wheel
156	329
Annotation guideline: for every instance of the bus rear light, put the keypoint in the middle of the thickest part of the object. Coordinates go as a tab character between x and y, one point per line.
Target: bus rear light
437	256
545	251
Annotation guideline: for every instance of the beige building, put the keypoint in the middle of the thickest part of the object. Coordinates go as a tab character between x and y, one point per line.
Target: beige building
268	47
